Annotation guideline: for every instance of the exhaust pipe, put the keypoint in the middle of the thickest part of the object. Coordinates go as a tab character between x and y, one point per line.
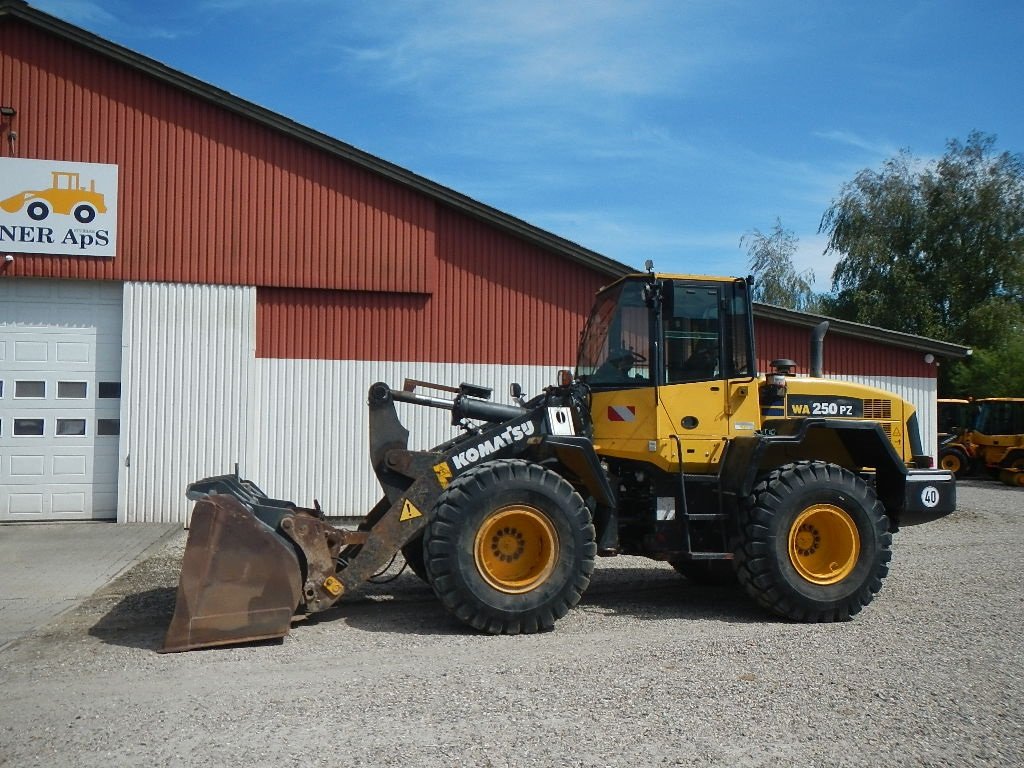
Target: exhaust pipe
818	349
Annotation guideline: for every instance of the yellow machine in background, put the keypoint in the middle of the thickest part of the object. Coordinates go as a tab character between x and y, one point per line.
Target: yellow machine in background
997	435
990	442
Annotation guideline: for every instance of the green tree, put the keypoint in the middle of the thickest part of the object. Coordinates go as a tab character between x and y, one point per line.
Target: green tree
776	280
936	249
996	371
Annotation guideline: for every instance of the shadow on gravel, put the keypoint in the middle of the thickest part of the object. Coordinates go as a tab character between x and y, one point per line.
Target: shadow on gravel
657	595
138	620
423	618
408	606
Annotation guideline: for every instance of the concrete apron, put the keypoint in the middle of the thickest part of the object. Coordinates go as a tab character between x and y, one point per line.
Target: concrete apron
49	568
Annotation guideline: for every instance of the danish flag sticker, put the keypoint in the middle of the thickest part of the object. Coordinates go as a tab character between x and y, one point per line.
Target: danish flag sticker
621	413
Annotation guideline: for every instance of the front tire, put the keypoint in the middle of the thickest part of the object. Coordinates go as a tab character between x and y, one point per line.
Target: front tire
954	460
510	548
813	543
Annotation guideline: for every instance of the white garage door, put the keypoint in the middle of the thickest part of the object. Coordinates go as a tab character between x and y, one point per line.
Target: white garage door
60	398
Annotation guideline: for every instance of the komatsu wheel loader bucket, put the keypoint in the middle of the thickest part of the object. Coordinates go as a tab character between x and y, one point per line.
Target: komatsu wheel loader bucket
240	581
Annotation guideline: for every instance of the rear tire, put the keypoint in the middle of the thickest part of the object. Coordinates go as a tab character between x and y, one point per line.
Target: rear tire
813	543
510	547
1013	460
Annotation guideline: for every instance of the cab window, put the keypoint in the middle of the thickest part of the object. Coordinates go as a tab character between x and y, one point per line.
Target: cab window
692	334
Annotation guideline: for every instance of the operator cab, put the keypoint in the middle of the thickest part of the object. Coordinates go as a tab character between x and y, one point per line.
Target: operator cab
647	331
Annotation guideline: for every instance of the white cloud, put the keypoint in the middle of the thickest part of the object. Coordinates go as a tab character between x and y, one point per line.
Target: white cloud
81	12
848	138
810	254
499	53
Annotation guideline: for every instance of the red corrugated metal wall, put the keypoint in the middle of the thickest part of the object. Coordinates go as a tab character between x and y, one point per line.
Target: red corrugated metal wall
207	196
498	300
843	354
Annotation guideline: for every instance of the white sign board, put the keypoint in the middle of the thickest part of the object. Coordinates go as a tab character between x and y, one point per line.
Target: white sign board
58	207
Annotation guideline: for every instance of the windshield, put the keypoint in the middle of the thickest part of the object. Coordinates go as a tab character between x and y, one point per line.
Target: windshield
1001	418
616	341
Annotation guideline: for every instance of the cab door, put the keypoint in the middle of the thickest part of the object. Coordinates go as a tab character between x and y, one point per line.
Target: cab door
694	397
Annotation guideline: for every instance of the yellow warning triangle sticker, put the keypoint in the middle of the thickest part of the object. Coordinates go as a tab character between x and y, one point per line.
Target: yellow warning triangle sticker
409	512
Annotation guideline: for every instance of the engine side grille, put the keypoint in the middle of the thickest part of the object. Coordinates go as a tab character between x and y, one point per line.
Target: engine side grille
878	409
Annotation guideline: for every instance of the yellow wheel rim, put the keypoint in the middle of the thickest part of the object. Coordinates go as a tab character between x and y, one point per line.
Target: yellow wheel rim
824	544
516	549
950	462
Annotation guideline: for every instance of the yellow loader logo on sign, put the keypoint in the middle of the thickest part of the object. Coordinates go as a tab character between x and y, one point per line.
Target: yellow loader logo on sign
58	207
66	196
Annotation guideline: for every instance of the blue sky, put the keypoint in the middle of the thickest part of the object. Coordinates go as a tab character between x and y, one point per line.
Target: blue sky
639	129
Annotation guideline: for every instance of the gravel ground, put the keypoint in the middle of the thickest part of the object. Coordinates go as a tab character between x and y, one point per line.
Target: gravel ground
648	670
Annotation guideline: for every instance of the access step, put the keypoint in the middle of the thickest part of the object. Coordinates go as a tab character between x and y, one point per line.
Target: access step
704	517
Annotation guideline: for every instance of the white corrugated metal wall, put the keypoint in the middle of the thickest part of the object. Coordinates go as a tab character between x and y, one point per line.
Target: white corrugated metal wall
312	424
195	402
187	360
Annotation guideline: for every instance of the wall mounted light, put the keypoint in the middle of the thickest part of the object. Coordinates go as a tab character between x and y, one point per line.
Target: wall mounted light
7	115
929	358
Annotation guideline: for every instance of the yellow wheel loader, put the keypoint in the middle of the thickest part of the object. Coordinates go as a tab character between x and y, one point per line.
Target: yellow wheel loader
997	435
666	443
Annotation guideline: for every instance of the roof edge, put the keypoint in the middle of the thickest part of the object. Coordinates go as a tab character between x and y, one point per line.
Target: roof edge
862	331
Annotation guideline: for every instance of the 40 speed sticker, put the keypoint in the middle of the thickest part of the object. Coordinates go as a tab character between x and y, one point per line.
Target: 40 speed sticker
825	405
930	496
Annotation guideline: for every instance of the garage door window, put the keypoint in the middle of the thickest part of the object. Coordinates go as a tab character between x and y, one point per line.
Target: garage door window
70	427
108	427
30	389
72	390
29	427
